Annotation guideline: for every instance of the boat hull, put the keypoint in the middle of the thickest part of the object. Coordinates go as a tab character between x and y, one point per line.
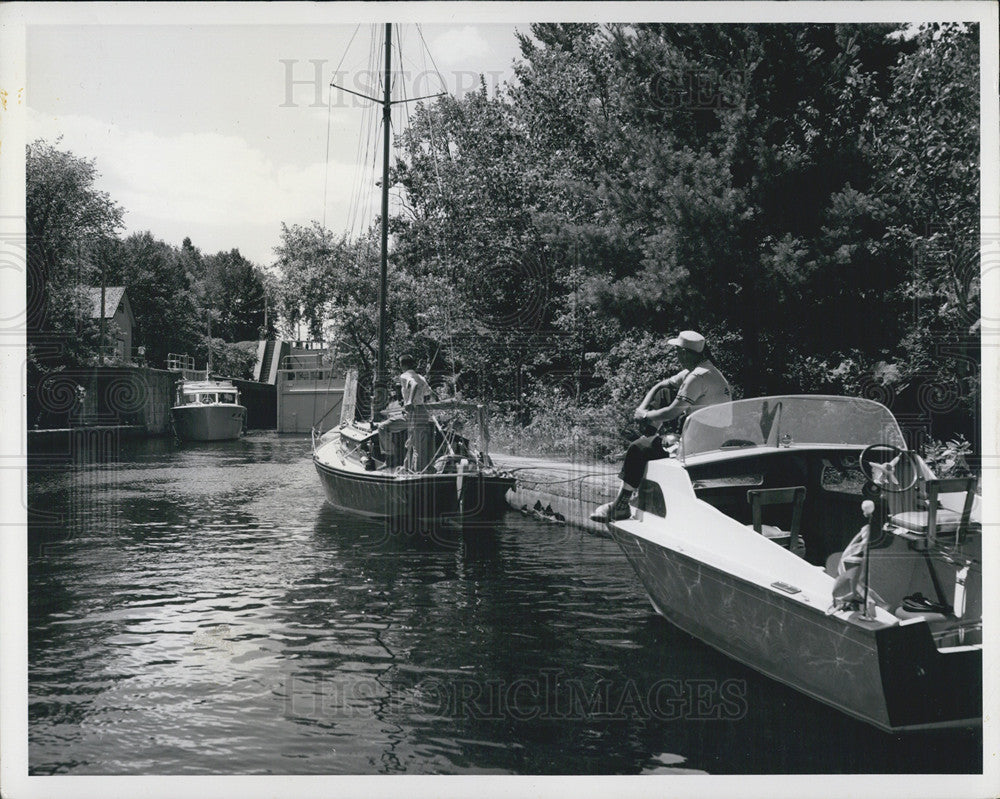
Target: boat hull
415	500
890	676
222	422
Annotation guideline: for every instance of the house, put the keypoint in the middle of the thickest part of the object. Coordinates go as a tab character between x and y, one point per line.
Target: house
118	310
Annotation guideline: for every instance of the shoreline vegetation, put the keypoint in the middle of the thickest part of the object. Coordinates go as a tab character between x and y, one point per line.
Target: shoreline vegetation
807	196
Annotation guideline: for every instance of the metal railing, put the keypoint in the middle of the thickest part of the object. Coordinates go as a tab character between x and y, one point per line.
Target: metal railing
179	363
185	365
304	367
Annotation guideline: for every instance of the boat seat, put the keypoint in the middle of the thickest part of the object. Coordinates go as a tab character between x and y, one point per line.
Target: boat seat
930	616
832	565
794	496
935	521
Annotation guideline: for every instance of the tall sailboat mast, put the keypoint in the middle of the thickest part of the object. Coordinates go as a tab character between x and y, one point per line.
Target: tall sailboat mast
419	485
380	389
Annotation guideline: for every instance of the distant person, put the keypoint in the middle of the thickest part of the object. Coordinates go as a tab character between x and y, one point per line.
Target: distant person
699	384
415	389
414	392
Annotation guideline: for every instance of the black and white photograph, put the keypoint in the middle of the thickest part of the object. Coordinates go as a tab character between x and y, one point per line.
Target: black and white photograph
450	399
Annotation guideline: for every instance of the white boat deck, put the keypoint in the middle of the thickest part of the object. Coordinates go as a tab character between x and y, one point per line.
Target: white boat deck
729	546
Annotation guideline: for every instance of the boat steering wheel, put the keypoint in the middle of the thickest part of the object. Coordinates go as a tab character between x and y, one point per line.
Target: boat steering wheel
879	463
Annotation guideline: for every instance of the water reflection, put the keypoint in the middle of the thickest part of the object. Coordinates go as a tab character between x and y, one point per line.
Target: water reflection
201	610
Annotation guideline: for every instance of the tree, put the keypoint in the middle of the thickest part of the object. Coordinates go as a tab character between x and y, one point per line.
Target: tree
608	187
235	288
66	218
69	223
926	137
769	185
167	318
469	244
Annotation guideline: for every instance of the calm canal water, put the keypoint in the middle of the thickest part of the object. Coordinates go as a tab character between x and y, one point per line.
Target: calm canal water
201	610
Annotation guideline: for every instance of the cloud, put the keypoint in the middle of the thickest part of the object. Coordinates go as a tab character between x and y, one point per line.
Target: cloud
216	188
458	46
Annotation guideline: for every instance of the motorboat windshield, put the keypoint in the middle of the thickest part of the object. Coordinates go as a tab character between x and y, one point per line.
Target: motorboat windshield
785	421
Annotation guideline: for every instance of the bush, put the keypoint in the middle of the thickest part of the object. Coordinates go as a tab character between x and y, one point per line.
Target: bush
559	427
949	459
234	360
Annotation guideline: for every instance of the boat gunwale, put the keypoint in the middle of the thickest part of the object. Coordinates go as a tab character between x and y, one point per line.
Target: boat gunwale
406	477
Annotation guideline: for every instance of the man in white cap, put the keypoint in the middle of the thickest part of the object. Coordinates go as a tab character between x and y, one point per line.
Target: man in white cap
699	384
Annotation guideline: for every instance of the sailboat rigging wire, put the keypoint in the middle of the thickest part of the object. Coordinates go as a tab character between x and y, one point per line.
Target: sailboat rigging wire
362	190
347	49
326	175
329	115
359	162
374	112
444	257
363	187
427	54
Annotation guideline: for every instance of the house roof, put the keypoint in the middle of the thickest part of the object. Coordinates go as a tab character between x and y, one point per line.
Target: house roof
112	297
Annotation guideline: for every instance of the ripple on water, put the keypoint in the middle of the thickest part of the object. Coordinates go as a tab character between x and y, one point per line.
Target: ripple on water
199	610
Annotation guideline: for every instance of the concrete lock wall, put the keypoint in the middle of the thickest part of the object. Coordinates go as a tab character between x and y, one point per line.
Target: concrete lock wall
160	398
102	396
307	403
261	404
128	396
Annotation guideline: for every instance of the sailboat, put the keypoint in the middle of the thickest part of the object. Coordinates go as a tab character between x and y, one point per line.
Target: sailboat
436	466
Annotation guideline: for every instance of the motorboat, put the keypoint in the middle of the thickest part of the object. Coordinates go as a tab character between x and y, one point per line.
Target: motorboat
208	410
799	536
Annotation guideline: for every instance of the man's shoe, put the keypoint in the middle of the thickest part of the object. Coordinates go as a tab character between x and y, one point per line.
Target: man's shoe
611	512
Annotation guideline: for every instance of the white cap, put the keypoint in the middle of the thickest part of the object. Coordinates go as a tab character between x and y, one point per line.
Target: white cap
689	340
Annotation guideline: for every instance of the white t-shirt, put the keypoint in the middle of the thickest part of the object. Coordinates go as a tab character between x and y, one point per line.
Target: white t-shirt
416	390
702	386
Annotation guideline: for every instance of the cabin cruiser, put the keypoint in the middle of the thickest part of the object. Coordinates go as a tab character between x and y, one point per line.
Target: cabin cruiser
208	410
800	536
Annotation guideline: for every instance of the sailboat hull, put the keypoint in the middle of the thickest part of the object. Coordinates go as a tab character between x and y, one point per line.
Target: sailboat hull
414	500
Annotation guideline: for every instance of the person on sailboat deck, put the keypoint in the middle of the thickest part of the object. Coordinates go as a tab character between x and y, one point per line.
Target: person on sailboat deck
414	392
699	384
415	389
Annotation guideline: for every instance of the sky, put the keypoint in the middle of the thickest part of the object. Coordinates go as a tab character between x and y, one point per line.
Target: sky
212	131
202	118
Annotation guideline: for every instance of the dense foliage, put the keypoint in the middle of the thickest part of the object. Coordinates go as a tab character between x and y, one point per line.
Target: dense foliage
73	242
807	196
